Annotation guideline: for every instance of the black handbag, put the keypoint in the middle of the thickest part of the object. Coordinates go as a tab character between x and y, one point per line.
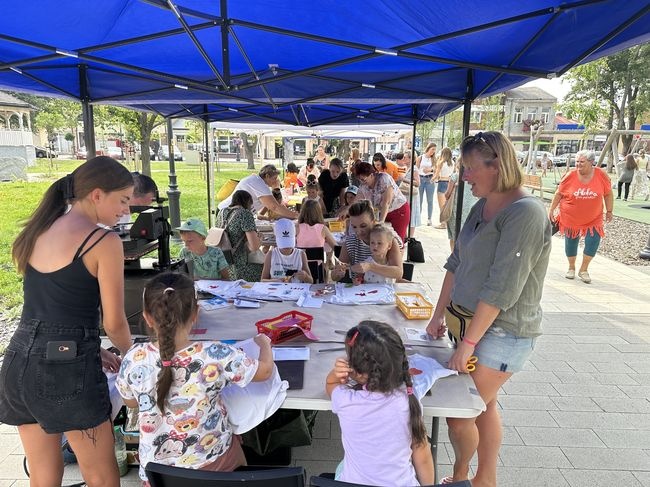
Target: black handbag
415	252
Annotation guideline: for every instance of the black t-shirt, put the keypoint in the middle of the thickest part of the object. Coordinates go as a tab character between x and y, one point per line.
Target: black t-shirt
332	187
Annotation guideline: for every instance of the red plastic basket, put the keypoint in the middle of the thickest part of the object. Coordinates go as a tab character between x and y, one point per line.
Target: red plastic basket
281	328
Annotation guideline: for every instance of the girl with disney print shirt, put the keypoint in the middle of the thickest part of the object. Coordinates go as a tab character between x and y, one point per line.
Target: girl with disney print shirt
176	383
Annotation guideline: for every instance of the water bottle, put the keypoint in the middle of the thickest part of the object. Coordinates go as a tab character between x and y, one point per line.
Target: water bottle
120	451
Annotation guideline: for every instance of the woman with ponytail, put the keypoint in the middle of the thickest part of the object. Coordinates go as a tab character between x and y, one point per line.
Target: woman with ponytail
372	394
52	380
176	383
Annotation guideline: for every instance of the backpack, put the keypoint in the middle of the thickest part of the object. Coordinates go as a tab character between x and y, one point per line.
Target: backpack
218	237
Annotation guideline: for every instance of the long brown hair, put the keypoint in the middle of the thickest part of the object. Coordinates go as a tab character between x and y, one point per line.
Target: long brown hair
101	172
170	300
630	163
376	349
311	213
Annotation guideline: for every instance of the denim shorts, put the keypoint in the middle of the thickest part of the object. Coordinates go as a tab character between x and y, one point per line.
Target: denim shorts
442	187
59	395
501	350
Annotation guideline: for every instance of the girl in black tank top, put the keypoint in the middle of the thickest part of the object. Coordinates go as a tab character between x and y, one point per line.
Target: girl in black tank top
51	381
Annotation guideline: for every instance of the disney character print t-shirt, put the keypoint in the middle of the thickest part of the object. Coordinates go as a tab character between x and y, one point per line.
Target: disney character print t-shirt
194	430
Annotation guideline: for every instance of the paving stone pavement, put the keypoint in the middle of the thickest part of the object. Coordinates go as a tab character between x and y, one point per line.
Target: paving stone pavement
578	415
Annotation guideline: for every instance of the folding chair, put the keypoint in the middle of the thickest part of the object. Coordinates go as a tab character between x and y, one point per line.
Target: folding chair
315	259
168	476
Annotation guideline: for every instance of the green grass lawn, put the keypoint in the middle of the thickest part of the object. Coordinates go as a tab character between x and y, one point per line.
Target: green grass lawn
19	199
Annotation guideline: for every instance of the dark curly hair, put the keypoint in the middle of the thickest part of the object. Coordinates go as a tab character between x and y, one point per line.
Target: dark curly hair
377	351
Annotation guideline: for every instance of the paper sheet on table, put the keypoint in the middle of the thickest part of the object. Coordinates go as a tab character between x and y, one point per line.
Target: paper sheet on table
282	290
307	301
250	405
417	335
225	289
347	294
241	303
291	353
214	303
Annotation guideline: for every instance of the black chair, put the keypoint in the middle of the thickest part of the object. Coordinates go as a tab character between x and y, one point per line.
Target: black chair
168	476
315	259
328	482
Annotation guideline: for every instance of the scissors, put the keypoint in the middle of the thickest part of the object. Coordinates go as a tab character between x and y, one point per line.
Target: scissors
471	363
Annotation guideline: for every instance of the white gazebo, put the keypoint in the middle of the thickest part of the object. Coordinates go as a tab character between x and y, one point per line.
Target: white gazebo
16	137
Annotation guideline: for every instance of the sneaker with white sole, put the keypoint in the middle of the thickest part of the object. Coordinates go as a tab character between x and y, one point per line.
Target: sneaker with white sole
570	274
584	276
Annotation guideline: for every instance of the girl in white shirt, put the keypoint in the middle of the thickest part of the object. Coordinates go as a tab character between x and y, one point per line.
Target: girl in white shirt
426	166
285	262
444	169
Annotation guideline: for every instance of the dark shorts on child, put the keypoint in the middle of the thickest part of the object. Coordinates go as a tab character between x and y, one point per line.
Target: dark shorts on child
59	395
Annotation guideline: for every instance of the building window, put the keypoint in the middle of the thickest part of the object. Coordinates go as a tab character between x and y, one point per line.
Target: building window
545	115
518	115
299	147
532	114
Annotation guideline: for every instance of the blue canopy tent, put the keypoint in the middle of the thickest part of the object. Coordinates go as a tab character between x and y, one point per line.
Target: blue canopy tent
299	62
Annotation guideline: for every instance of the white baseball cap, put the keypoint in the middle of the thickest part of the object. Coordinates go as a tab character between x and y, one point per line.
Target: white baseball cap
285	233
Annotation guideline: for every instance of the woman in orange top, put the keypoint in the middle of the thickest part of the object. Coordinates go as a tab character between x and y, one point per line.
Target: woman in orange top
580	196
382	165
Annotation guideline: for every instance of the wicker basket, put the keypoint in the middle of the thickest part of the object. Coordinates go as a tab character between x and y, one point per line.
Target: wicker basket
414	306
336	226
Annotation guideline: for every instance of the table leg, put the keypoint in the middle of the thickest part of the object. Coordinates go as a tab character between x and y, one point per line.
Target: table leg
435	426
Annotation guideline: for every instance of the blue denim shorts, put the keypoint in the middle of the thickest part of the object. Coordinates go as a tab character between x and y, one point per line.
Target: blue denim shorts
442	187
501	350
59	395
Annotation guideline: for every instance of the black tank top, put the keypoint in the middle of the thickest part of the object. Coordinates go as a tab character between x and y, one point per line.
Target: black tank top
69	295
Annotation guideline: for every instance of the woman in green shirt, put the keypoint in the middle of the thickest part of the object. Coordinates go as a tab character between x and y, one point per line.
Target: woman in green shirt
495	272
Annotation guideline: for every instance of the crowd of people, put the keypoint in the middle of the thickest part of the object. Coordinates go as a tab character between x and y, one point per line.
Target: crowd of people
488	305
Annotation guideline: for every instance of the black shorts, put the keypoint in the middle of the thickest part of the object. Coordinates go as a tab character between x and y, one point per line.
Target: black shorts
59	395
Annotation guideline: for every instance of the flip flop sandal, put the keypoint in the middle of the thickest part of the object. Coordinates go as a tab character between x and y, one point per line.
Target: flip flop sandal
447	480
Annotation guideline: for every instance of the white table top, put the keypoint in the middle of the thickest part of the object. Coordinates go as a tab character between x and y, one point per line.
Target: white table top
454	396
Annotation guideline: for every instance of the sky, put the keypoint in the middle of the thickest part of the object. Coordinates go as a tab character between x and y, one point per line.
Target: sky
555	87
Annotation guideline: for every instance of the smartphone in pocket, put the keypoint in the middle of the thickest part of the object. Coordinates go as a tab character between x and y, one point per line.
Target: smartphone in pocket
61	350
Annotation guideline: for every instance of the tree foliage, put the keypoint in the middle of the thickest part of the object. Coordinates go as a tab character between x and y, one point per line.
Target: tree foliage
611	92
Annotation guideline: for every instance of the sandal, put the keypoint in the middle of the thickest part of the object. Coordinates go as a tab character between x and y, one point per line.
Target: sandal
446	480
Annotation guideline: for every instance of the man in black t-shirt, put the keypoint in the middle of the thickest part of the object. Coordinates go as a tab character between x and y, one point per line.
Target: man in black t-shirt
333	182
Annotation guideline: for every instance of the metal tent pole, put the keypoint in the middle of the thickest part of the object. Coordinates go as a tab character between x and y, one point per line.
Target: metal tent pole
460	188
208	173
87	113
173	193
415	123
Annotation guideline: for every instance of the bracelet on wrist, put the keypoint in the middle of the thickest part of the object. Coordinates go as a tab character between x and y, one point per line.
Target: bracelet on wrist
469	342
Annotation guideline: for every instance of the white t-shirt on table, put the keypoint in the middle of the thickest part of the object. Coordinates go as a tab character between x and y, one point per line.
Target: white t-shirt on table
255	186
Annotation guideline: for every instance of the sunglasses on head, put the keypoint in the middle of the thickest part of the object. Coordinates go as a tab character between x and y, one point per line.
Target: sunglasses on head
478	138
312	183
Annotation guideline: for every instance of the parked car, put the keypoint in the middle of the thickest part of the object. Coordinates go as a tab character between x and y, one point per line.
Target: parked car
43	152
163	153
81	153
115	153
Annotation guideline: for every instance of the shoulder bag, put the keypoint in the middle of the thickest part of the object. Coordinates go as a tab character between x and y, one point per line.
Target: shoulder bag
457	319
445	212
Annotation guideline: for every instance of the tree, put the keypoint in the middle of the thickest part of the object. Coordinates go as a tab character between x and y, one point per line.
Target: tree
611	92
138	127
247	143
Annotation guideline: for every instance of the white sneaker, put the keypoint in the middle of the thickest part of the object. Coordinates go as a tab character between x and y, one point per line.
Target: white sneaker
429	223
584	276
570	274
